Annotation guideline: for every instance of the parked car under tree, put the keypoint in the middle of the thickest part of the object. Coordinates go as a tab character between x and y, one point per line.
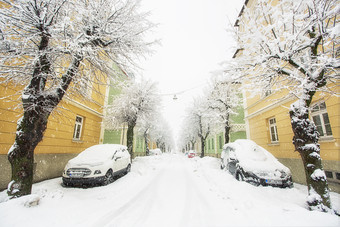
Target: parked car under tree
97	165
249	162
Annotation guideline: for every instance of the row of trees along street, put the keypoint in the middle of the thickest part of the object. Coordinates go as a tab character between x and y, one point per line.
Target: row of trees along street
47	45
212	112
138	105
290	45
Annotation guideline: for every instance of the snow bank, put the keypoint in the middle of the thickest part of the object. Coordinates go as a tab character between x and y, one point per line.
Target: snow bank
168	191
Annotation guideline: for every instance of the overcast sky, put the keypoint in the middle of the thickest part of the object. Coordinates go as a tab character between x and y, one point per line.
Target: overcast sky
193	43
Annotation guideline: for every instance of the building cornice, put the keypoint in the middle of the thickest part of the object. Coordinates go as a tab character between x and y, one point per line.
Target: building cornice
268	107
83	107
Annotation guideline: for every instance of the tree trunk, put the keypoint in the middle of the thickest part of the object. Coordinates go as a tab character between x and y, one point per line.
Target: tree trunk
202	147
30	130
192	145
129	138
31	127
305	141
147	151
226	133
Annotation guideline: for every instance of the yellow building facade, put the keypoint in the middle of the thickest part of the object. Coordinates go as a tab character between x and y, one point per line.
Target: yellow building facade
73	126
268	124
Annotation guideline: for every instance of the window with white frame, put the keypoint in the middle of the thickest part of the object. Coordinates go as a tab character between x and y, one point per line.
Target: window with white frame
320	118
78	128
273	130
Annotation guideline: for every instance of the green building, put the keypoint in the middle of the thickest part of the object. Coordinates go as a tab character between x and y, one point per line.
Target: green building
215	142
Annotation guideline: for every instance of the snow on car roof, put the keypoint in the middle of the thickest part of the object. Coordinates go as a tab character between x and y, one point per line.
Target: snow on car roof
99	152
255	158
156	149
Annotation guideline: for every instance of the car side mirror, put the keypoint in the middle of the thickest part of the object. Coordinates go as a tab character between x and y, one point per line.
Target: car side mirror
232	157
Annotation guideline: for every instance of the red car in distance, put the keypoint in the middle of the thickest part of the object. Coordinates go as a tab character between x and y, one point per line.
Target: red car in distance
191	154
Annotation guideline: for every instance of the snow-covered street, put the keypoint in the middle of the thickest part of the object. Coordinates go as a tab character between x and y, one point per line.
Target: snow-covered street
166	190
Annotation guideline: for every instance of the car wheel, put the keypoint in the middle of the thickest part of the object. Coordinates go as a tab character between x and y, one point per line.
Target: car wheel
66	185
108	177
239	176
128	169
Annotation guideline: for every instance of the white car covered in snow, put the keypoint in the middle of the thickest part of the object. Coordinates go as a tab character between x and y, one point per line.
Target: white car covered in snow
156	151
98	164
249	162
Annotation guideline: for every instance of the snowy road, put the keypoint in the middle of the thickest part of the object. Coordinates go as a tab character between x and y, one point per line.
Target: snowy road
166	190
173	197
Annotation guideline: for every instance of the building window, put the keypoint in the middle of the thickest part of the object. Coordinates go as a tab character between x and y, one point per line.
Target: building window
332	176
273	130
329	174
337	175
320	118
78	128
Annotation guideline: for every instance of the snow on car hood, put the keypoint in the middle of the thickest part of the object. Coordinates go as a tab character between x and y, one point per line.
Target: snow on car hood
96	155
254	158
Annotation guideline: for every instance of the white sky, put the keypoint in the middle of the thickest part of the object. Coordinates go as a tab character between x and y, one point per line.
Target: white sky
193	42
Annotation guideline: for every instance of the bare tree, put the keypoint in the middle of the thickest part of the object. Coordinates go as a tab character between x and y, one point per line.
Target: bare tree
162	134
293	45
187	136
48	45
138	99
201	120
224	99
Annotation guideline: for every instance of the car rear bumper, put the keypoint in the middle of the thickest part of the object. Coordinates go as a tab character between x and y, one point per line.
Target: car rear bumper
83	181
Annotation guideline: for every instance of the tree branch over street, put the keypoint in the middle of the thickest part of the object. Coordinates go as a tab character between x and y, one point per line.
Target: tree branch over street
52	46
293	43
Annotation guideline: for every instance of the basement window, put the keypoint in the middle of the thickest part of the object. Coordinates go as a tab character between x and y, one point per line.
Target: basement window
329	174
337	176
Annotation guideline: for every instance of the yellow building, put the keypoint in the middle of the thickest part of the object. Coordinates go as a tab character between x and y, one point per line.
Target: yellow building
72	127
268	124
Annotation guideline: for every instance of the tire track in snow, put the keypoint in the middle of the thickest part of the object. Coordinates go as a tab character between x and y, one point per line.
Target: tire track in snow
117	216
176	195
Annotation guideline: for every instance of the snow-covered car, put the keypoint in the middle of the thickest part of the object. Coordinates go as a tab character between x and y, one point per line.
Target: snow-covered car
191	154
156	151
98	164
249	162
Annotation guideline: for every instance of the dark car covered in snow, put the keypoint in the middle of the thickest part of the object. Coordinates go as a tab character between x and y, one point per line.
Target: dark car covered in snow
249	162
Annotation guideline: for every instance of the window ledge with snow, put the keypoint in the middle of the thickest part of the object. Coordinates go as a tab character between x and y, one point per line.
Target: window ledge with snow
327	139
274	144
77	141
